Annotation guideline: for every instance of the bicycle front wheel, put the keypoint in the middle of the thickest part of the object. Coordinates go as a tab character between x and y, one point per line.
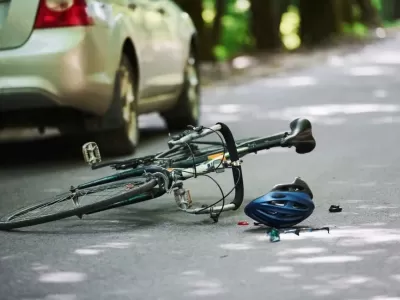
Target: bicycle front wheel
77	203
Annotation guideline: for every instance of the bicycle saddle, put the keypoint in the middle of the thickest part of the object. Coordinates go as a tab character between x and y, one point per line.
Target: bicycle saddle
300	136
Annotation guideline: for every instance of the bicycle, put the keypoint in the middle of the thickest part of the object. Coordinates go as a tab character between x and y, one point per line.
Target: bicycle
149	177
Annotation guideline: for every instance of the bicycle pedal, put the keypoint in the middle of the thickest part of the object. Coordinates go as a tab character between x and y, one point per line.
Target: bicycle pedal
183	198
91	153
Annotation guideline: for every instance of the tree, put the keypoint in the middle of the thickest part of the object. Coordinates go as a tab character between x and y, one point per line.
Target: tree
265	21
388	9
208	37
319	21
347	11
369	13
396	10
195	9
220	9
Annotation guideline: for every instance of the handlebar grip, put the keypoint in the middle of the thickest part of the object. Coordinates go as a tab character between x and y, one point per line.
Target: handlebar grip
234	157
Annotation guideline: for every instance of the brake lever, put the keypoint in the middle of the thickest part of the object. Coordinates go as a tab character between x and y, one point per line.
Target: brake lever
197	129
184	133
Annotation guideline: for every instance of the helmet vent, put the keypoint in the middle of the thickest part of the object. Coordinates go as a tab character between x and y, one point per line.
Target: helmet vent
278	202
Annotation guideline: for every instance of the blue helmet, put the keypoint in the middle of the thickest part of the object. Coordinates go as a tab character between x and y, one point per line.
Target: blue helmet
284	206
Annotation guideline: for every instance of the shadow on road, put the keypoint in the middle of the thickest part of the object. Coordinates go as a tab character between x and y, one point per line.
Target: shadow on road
127	219
56	149
72	226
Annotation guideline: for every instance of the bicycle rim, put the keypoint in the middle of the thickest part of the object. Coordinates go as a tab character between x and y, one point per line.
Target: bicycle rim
76	203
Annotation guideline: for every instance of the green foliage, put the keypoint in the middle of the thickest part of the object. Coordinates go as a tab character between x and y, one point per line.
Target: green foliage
289	28
377	4
235	35
236	39
389	24
357	29
208	12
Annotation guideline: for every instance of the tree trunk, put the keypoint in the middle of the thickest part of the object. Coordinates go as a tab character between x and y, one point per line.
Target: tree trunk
347	11
318	21
220	8
265	22
283	6
388	9
369	14
396	10
195	9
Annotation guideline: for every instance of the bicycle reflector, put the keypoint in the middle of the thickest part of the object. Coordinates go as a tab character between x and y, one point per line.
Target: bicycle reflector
91	153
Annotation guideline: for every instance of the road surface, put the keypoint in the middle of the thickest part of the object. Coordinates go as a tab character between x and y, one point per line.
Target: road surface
151	251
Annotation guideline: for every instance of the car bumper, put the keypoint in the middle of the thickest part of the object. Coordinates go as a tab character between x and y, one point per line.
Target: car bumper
56	68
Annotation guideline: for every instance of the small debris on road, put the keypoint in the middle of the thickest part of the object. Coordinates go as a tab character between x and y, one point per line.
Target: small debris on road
297	231
274	235
335	208
243	223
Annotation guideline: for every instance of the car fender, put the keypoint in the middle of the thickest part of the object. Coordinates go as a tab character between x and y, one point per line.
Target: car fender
122	29
187	31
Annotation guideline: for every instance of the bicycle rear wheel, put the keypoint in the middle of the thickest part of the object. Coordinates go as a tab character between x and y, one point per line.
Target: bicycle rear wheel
112	193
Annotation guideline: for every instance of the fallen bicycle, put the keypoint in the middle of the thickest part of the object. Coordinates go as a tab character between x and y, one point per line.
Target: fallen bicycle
145	178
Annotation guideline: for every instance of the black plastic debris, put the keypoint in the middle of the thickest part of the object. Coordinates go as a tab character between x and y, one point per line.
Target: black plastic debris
335	208
297	231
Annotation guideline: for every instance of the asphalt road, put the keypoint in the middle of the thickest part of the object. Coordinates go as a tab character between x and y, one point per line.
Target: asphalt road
151	251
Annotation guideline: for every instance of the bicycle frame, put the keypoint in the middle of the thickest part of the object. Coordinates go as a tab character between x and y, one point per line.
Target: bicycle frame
186	169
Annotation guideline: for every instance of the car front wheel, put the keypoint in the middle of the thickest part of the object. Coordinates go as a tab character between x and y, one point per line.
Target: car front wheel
123	139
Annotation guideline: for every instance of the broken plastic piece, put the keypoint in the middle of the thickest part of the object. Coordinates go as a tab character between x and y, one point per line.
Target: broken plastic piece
297	231
335	208
274	235
243	223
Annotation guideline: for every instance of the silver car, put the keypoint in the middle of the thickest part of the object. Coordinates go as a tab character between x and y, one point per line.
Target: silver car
85	66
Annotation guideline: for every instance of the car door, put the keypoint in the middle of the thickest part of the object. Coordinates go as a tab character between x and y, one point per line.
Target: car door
138	10
164	44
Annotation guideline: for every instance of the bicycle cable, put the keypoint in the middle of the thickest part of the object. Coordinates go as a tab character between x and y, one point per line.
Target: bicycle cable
206	175
218	185
223	198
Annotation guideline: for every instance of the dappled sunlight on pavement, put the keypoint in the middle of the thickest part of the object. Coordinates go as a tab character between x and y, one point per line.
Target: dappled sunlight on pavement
152	250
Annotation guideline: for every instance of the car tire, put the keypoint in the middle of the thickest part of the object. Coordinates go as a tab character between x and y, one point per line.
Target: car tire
123	139
186	111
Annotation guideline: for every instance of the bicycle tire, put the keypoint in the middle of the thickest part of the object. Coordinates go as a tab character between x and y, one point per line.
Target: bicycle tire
6	222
